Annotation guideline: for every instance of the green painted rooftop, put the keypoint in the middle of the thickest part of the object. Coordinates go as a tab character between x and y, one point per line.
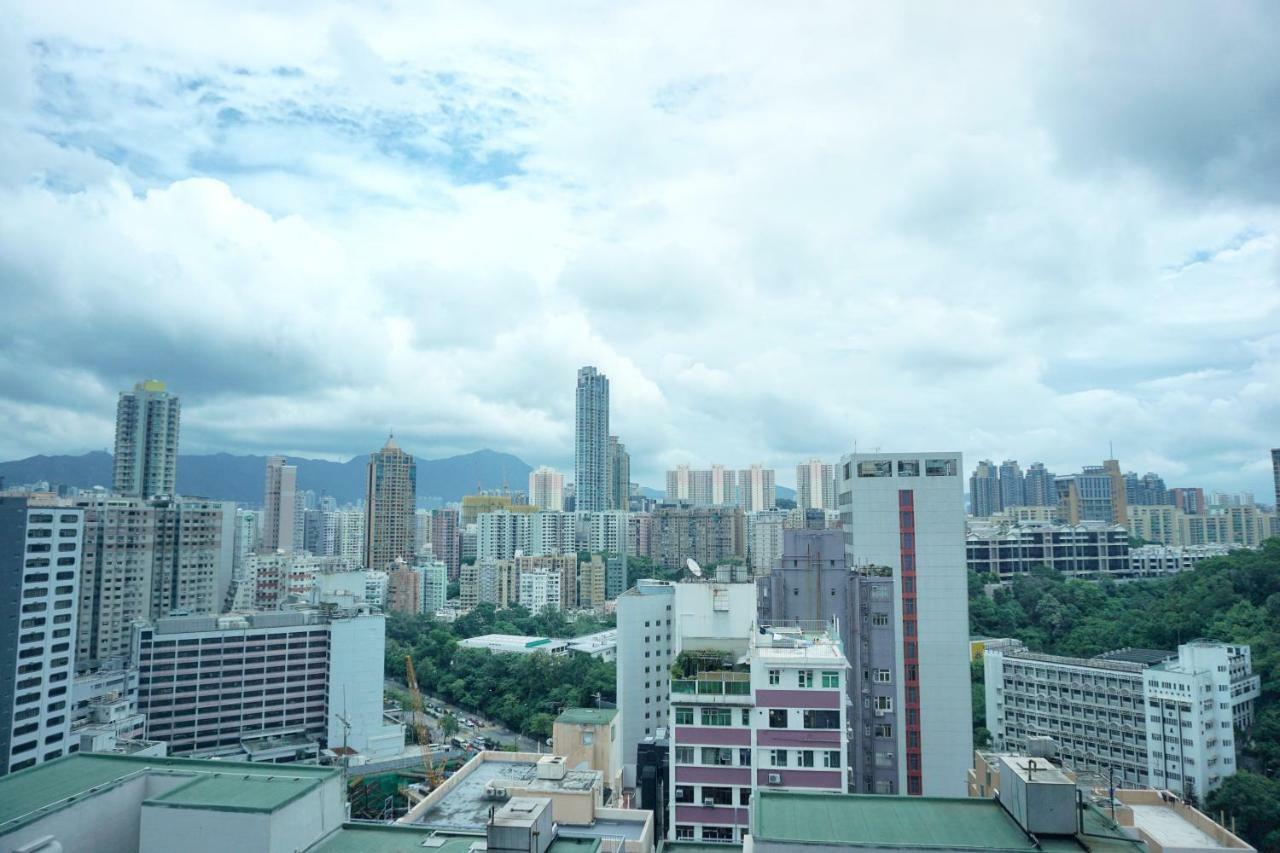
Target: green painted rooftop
236	792
886	821
373	838
587	716
40	790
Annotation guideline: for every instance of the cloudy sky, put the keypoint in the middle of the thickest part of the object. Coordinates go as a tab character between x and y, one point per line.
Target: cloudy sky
1021	230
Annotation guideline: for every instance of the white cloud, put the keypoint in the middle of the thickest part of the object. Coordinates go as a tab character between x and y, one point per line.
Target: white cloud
779	232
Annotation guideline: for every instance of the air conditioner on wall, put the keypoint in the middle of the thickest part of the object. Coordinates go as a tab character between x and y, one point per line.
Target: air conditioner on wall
775	778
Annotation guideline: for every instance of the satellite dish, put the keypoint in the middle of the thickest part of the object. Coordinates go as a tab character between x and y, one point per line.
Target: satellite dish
694	568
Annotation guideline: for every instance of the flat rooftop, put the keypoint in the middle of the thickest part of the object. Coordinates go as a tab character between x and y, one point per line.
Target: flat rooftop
632	830
1170	829
465	807
587	716
235	793
41	790
381	838
870	820
1149	657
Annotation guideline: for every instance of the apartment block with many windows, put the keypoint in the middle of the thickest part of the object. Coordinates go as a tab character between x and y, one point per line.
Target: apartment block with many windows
772	718
40	548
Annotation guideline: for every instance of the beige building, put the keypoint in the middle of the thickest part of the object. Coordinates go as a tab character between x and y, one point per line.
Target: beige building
1246	526
591	583
279	514
589	739
546	489
391	488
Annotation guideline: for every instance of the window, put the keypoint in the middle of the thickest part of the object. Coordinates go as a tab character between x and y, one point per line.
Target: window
805	758
778	758
880	619
831	758
908	467
884	703
822	719
775	676
684	793
830	679
744	758
716	717
746	716
744	796
588	737
777	718
684	832
717	756
719	796
805	677
875	468
939	467
882	730
684	715
883	676
717	833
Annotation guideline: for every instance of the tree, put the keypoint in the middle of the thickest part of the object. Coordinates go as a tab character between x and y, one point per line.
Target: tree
449	725
1253	801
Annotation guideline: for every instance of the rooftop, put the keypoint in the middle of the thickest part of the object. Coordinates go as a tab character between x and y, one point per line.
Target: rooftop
37	791
1142	656
464	805
878	820
381	838
1170	829
236	793
587	716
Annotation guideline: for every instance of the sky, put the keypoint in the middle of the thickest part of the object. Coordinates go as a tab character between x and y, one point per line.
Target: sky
1017	230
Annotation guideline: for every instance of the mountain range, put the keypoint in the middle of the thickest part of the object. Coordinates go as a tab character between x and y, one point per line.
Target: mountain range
224	476
228	477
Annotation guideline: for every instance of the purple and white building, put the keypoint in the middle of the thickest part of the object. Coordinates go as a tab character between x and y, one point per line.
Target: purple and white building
765	711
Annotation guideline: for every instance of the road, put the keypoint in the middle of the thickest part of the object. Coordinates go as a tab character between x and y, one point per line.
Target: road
487	728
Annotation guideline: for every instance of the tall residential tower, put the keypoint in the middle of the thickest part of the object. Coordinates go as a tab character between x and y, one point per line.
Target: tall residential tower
591	441
146	458
390	491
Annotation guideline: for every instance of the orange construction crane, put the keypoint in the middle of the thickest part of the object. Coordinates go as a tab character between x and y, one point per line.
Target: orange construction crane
434	776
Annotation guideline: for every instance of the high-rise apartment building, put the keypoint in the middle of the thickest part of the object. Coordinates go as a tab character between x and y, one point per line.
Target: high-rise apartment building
764	539
906	511
1147	490
1119	501
984	490
770	716
708	534
1275	474
591	440
816	485
1013	490
1038	486
144	559
391	489
756	489
714	486
1191	501
546	489
617	484
146	458
280	504
40	553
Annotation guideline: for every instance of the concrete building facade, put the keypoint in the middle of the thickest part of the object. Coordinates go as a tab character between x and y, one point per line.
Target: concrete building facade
391	489
905	511
591	440
145	463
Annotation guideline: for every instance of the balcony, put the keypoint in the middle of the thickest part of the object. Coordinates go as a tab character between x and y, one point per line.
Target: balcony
714	688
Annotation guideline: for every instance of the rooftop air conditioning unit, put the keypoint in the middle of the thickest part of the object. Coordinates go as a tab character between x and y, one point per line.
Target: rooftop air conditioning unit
775	778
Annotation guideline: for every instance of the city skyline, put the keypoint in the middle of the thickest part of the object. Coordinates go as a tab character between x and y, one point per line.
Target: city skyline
433	201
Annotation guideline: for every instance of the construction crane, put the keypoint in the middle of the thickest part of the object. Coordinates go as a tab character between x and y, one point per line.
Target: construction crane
434	776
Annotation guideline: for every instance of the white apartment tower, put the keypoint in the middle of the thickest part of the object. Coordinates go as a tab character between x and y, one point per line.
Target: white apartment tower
906	511
280	497
756	489
816	485
146	456
546	489
40	548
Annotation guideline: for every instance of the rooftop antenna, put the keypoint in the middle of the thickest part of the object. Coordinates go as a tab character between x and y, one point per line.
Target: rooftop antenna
694	568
